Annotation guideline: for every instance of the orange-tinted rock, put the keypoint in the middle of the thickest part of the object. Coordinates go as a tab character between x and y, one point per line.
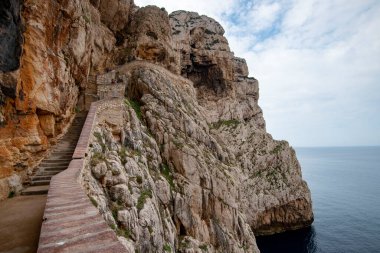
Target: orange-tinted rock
62	43
47	123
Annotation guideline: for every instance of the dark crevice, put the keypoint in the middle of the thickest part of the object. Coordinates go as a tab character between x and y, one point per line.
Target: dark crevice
10	35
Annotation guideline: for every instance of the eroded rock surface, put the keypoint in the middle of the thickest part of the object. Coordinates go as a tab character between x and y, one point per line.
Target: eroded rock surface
185	164
176	179
63	43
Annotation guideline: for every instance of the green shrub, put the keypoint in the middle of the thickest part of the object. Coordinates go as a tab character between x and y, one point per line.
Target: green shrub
97	158
136	106
147	193
122	154
167	174
167	248
228	123
123	232
115	208
203	247
99	138
277	149
93	201
87	19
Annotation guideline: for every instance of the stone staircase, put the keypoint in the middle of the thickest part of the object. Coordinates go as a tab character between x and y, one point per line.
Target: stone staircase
57	161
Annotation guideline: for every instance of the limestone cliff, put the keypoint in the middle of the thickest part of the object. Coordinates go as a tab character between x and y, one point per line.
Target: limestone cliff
186	165
62	43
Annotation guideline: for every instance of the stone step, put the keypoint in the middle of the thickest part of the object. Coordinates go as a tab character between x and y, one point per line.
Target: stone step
53	170
60	155
63	148
57	165
49	160
60	152
63	152
76	136
52	167
39	182
67	143
48	173
36	190
37	178
58	160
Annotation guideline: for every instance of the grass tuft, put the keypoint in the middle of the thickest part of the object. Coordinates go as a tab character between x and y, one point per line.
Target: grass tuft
136	106
167	248
203	247
93	201
97	158
227	123
167	174
147	193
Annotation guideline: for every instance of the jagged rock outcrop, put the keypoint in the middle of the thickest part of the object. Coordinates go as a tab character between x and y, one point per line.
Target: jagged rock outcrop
149	38
221	79
216	184
186	164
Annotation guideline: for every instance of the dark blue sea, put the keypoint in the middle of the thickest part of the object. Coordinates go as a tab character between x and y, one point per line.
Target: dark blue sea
345	189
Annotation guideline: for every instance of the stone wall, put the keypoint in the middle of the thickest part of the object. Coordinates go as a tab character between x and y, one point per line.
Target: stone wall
111	91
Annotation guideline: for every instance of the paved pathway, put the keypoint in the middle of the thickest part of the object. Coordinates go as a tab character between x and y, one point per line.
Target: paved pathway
20	223
21	216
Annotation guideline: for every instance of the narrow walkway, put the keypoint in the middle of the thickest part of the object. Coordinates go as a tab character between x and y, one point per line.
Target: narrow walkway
58	160
21	216
20	223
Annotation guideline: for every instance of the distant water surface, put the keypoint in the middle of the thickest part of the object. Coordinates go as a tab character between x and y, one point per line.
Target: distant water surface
345	188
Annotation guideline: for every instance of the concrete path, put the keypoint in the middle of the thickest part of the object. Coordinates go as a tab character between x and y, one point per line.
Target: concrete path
20	223
21	216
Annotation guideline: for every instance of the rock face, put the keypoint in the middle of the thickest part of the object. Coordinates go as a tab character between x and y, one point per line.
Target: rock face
10	35
185	164
63	43
175	178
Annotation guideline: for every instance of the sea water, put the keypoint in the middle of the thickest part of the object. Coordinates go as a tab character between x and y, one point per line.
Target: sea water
345	189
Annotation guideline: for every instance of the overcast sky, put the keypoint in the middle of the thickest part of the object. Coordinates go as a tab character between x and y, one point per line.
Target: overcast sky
317	61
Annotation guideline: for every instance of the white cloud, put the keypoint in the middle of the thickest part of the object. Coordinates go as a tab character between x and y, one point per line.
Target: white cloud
262	16
317	63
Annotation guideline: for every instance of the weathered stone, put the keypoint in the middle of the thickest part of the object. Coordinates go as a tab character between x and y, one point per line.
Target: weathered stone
47	123
150	38
99	170
52	70
121	194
